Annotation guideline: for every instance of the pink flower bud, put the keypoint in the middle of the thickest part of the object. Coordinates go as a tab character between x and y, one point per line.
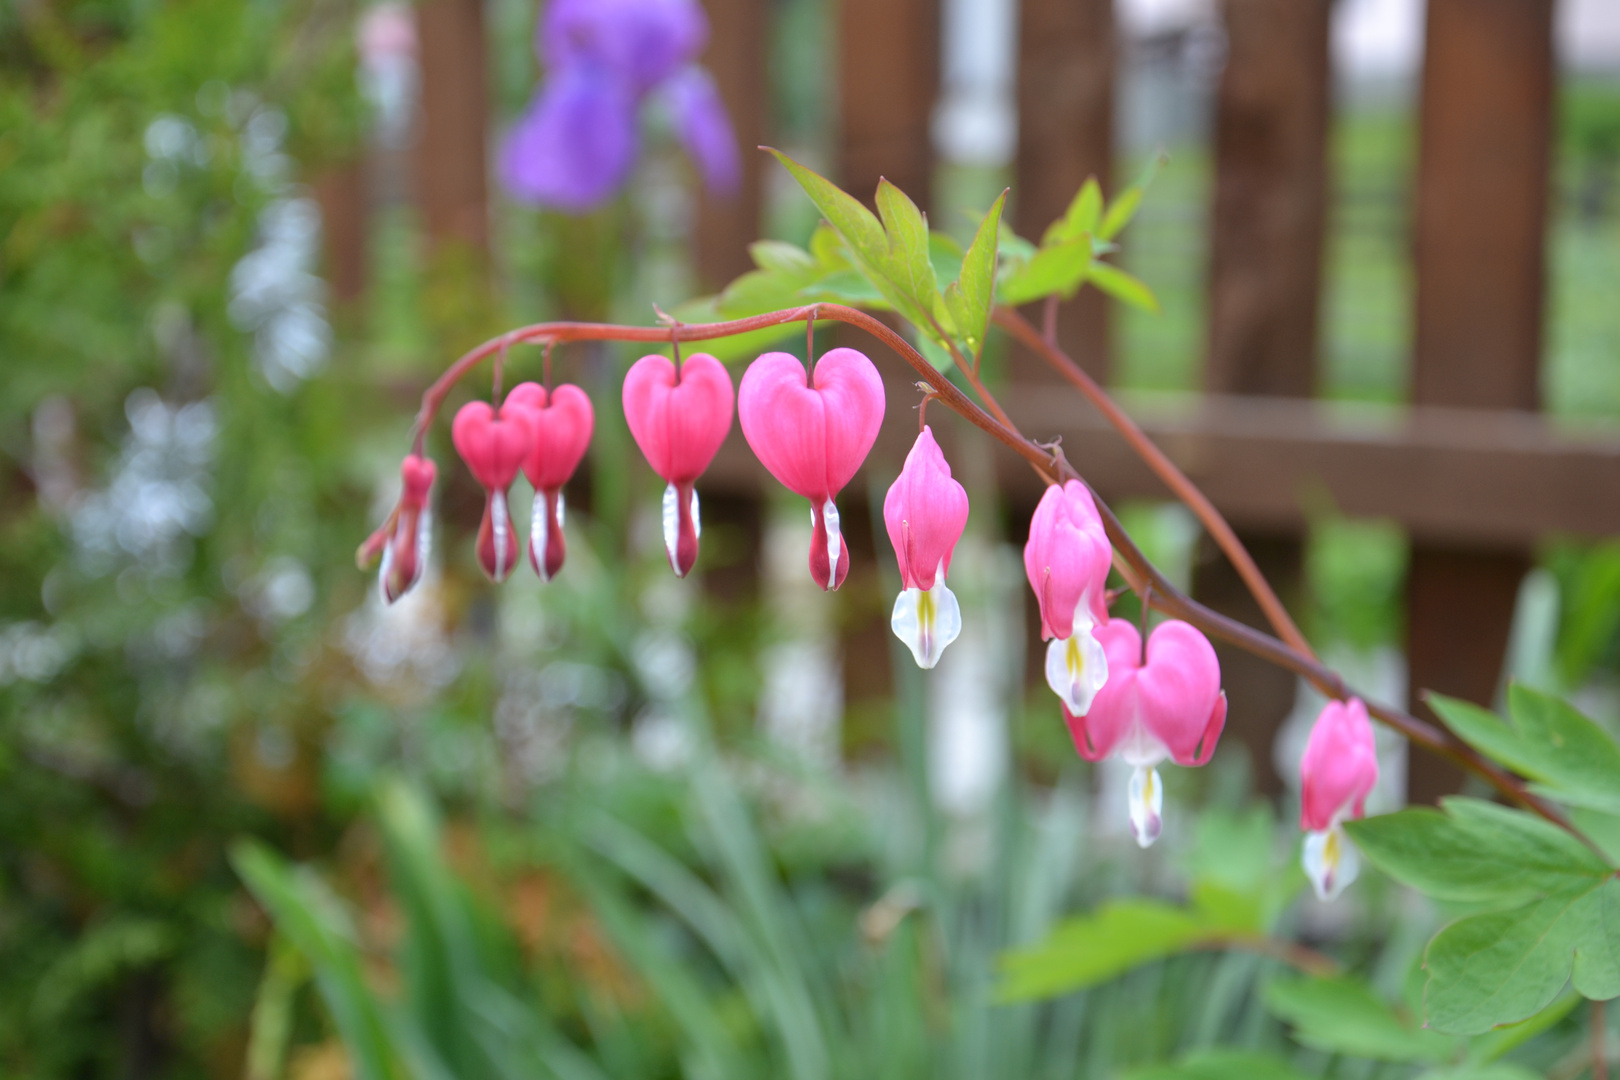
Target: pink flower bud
1338	771
925	513
561	424
1066	560
814	438
679	423
1169	707
405	555
494	444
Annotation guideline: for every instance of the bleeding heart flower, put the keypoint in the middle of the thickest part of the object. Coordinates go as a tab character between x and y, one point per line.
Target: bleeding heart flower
813	439
1066	560
925	513
493	443
1171	706
1338	771
560	424
679	421
409	532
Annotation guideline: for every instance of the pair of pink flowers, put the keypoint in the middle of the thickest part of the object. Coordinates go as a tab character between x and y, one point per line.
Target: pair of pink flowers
544	434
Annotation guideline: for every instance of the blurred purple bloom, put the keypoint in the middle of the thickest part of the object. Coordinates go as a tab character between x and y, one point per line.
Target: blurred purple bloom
704	128
576	143
643	41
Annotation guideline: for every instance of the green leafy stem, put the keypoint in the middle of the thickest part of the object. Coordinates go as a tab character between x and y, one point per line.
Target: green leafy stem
859	262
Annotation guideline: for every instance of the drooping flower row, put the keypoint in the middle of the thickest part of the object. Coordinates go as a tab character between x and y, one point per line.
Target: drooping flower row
1142	702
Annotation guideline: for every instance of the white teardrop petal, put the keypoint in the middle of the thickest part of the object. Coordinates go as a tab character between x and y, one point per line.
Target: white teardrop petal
1076	668
1330	861
1147	805
672	524
539	532
829	514
927	621
500	529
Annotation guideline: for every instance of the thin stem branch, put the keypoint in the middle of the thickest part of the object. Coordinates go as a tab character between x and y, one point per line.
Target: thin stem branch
1050	464
1176	480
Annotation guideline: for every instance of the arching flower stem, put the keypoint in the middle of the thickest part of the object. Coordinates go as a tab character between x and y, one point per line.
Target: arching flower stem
1292	653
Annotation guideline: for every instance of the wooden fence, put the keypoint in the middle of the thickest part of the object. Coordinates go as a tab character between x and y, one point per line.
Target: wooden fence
1471	470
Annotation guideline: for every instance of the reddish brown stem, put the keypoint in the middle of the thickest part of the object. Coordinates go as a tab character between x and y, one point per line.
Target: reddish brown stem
1176	480
1050	465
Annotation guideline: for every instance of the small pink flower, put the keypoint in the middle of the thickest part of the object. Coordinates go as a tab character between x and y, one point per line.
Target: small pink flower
1171	706
1066	560
561	424
814	438
406	553
679	422
1338	771
925	513
493	442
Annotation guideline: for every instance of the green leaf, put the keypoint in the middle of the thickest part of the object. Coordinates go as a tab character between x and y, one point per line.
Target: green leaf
1221	1065
1122	286
946	255
858	226
1509	1037
1081	218
1498	1071
843	286
1476	851
1344	1016
1125	204
908	261
1058	269
1094	948
971	299
783	258
1504	967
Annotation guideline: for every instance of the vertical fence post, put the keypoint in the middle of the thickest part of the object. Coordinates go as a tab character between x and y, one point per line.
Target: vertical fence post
452	139
1264	287
1066	68
1481	219
888	81
739	42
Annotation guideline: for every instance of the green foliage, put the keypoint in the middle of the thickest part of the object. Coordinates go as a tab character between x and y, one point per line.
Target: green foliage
1342	1015
1222	1065
1552	902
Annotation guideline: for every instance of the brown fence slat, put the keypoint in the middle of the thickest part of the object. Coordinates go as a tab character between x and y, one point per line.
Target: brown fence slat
452	137
888	81
1067	62
1264	288
1481	219
738	46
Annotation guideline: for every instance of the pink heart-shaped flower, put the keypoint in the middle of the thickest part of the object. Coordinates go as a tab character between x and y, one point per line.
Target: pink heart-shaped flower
812	438
678	423
493	444
1171	706
561	423
679	420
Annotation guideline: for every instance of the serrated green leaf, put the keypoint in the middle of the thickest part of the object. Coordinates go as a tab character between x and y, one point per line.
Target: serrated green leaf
971	300
858	226
946	255
1344	1016
908	261
1506	966
1476	852
1058	269
1221	1065
1548	740
1122	286
828	249
1080	219
1094	948
1125	204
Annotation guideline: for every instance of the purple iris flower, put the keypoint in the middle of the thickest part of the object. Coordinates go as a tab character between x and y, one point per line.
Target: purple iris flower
576	143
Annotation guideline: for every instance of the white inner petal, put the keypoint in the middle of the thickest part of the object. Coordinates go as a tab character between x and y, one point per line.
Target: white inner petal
1147	805
539	532
829	514
697	522
927	621
672	523
1330	861
1076	668
500	528
562	506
